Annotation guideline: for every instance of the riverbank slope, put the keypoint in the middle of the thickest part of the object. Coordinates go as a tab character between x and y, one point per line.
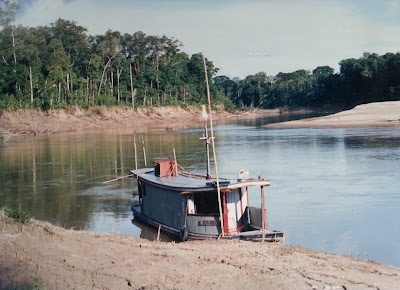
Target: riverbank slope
383	114
75	119
41	254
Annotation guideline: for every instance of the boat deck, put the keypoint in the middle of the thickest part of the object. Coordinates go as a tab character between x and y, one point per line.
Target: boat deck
191	182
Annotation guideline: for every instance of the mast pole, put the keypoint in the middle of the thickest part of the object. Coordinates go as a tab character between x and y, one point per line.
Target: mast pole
205	137
208	150
134	122
213	145
262	212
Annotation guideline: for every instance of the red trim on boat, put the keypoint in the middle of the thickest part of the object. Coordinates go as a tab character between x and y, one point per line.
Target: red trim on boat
241	202
225	214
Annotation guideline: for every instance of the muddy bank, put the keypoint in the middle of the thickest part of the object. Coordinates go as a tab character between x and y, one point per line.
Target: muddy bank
57	258
37	122
383	114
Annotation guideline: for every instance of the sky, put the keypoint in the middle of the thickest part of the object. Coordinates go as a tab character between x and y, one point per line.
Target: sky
242	37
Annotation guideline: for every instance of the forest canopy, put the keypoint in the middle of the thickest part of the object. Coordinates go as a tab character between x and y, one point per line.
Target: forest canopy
371	78
61	65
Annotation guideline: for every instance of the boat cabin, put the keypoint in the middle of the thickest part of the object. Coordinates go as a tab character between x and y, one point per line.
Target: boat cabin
182	202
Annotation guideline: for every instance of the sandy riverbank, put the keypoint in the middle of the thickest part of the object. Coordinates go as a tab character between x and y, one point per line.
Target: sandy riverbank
384	114
65	259
37	122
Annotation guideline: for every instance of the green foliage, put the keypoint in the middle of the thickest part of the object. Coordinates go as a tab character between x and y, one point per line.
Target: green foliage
104	100
323	71
38	284
367	79
19	215
60	66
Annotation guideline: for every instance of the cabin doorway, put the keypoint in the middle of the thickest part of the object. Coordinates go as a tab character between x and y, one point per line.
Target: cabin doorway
234	204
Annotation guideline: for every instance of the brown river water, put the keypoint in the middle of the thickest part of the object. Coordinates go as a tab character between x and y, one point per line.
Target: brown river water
333	190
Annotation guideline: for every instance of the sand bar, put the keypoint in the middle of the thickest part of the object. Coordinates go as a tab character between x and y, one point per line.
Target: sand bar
383	114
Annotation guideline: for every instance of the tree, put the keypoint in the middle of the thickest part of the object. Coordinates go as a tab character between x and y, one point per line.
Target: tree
75	42
61	65
323	71
30	56
109	46
58	69
134	48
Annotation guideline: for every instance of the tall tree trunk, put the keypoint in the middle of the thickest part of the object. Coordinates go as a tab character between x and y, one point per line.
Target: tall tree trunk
51	99
132	91
157	82
14	52
137	66
145	95
67	79
59	91
102	75
15	60
112	84
87	90
118	94
119	72
31	83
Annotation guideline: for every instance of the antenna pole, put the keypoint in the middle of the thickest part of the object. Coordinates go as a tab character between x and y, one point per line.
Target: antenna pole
175	163
136	166
144	151
213	145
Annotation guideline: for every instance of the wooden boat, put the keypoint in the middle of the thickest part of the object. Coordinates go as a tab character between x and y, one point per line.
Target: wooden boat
198	206
186	205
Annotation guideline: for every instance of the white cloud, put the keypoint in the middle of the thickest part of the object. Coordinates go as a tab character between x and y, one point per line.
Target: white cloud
296	36
40	12
392	5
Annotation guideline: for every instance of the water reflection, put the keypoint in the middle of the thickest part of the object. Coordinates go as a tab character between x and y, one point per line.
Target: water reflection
336	190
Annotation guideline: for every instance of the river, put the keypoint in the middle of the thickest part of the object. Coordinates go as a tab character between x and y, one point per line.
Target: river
332	190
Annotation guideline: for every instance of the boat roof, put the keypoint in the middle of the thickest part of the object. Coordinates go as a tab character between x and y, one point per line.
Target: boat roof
188	183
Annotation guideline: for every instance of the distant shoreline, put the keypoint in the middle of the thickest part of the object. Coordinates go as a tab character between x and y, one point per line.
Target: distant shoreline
383	114
75	119
36	122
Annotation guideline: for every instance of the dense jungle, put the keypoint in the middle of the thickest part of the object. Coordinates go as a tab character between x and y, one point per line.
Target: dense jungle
61	65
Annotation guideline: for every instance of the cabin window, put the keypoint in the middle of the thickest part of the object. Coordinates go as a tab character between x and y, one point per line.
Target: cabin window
206	203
